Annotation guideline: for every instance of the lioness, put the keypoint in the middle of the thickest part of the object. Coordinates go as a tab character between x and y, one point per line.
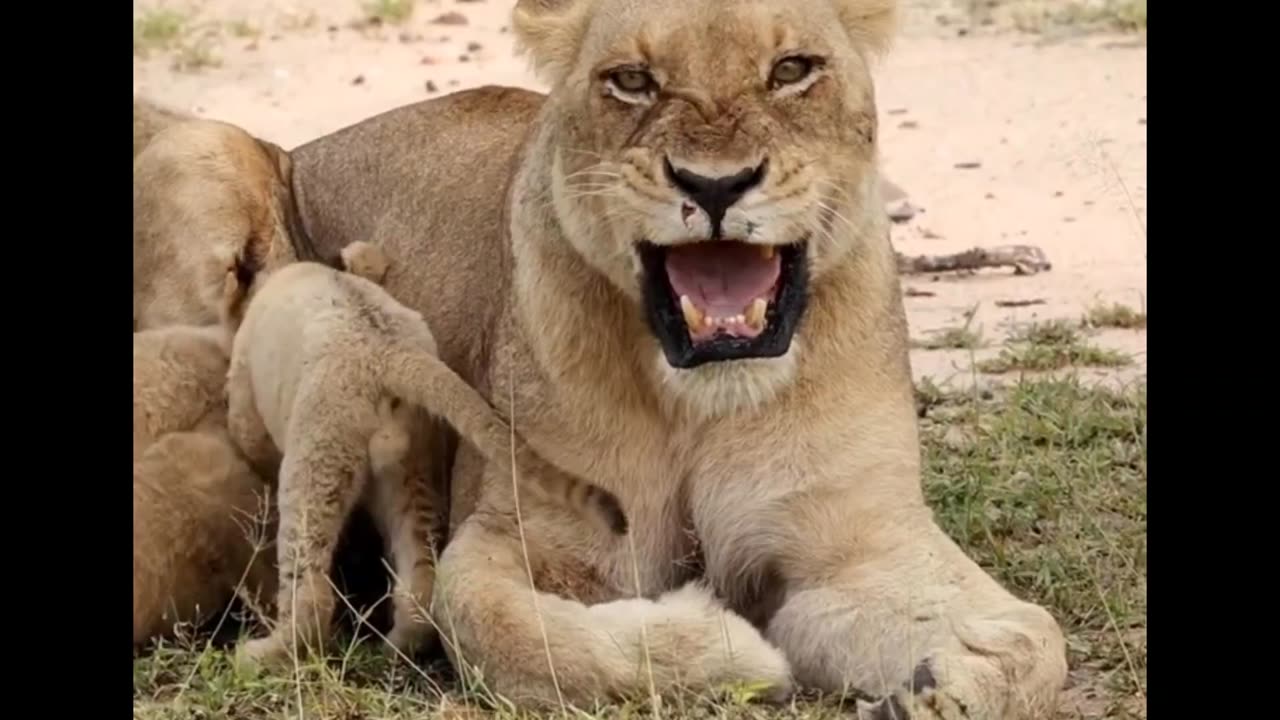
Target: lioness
692	158
327	380
203	192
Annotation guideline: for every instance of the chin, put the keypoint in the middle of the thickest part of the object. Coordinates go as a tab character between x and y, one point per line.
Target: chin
729	387
725	314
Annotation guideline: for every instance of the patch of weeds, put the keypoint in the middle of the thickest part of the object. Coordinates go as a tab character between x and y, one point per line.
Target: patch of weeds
195	57
297	21
957	338
391	12
1115	315
244	29
1049	494
1040	16
1053	345
157	29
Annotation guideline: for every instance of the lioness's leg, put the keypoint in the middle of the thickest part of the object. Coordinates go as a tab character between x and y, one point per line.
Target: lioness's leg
879	600
407	509
321	478
490	620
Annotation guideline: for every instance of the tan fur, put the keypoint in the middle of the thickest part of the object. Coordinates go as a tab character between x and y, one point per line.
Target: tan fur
179	376
197	508
149	119
796	480
204	191
327	376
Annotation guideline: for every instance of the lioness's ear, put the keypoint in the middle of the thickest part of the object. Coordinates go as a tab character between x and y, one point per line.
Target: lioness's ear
871	23
550	33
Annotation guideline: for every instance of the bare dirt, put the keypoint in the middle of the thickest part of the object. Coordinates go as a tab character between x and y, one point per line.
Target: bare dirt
997	137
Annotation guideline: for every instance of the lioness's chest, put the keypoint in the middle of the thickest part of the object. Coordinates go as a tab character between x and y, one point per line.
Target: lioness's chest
628	452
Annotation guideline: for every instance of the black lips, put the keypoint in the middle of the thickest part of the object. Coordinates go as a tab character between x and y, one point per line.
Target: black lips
662	310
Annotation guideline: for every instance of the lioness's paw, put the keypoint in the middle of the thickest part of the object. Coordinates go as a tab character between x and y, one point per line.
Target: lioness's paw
921	699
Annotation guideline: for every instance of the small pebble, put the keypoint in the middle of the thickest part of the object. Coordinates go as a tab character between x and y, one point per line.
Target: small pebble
431	87
474	46
968	165
450	18
357	80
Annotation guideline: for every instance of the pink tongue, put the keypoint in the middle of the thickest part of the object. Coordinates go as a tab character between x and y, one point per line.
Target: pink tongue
722	278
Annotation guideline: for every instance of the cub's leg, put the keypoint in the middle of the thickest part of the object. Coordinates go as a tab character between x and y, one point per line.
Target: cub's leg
245	424
322	477
407	507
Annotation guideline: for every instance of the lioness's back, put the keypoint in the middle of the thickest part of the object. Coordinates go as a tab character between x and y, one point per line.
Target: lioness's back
431	181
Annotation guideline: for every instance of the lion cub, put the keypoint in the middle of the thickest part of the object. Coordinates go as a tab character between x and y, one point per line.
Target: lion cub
179	376
329	380
195	503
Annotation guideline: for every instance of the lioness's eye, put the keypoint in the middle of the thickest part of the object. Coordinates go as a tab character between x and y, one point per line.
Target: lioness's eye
631	80
789	71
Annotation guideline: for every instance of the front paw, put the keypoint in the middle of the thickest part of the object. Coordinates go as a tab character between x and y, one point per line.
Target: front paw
919	699
262	654
409	637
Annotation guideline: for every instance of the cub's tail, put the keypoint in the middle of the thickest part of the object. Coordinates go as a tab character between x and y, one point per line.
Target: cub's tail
424	380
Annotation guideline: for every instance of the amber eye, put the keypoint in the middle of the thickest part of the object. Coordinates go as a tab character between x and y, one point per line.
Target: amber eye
632	80
789	71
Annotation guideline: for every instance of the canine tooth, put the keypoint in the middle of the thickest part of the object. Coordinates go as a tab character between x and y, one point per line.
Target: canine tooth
692	315
766	251
708	321
755	313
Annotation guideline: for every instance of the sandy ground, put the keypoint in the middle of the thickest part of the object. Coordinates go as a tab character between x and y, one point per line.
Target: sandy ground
998	137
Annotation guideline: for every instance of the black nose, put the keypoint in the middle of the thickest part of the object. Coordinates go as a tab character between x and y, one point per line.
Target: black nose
715	194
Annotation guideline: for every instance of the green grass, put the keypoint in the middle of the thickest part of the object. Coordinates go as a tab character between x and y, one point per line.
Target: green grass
1045	486
392	12
1047	16
1043	483
157	29
1052	345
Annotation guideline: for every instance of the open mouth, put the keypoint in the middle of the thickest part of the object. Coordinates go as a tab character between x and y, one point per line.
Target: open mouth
723	300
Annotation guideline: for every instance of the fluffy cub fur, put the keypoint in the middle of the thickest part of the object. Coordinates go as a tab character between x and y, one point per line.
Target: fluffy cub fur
196	505
179	376
328	381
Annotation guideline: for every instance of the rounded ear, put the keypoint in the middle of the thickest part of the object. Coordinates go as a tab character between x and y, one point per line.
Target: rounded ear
871	23
549	33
